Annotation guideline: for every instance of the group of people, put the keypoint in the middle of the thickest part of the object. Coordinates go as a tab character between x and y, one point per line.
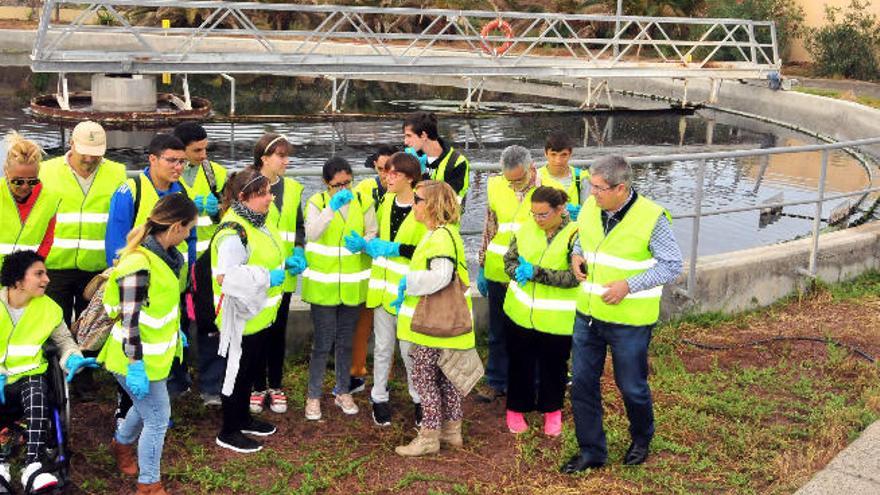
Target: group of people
571	262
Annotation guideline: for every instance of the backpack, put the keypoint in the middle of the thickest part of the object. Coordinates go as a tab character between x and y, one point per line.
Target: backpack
202	282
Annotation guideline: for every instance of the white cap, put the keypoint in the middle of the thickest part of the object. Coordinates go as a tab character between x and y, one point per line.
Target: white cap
89	138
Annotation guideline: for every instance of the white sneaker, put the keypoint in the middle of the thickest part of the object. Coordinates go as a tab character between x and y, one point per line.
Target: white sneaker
41	481
277	401
4	473
346	403
313	409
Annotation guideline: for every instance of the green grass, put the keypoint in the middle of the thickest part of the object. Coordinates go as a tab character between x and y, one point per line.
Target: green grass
868	101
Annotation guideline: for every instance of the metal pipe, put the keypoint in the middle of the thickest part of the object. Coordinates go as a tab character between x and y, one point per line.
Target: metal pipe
695	233
817	220
231	92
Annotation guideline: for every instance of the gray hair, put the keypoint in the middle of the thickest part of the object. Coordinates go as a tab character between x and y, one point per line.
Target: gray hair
514	157
614	169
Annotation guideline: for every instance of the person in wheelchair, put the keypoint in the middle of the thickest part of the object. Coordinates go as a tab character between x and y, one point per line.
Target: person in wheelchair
29	320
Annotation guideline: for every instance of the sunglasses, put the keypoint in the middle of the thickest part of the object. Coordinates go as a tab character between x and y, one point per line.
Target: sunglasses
21	182
417	199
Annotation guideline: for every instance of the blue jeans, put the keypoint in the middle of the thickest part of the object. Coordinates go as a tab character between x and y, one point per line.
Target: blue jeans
496	366
146	422
629	355
334	330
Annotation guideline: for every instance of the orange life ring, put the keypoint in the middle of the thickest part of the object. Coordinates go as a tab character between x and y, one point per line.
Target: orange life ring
497	24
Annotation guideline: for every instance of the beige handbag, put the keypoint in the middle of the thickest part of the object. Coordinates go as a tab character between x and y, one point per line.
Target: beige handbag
463	368
444	313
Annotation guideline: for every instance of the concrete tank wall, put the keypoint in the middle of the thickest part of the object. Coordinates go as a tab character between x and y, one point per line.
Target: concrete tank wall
134	93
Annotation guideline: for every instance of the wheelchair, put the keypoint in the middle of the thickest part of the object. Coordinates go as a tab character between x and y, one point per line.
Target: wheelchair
56	453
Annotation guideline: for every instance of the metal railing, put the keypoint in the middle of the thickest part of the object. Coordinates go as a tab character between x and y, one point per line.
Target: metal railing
344	41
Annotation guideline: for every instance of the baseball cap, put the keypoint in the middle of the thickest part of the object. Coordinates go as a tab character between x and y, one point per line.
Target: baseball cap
89	138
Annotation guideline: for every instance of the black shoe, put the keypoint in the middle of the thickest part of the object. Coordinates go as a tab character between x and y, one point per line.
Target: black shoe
489	394
381	413
636	454
356	384
418	414
259	428
237	442
578	463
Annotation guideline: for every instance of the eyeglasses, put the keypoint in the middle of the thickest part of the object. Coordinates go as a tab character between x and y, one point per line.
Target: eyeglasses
417	199
598	189
340	185
542	216
174	161
21	182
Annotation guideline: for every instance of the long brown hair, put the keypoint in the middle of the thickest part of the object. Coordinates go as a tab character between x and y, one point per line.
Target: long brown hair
171	209
269	144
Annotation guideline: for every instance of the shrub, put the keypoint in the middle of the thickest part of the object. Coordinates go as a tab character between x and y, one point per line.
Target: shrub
788	15
847	44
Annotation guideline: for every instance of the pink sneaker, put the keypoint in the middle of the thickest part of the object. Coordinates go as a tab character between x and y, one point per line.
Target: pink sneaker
553	423
516	422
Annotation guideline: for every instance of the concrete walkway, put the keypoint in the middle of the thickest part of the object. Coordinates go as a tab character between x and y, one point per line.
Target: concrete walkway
855	470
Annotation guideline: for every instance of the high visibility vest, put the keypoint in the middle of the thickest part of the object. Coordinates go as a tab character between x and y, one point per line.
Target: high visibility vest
81	221
435	244
285	223
158	320
543	307
205	227
21	345
18	236
624	253
510	213
149	198
387	272
335	275
573	190
369	191
265	250
439	173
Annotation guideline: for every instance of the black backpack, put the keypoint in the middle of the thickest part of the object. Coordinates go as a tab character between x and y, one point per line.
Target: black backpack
202	283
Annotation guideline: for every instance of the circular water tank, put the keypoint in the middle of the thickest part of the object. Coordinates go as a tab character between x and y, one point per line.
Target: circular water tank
123	93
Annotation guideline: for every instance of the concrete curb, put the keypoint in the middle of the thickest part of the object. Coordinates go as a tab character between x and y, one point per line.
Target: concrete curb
856	469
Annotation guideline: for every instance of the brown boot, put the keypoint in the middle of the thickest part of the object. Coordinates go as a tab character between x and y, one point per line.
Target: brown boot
450	434
427	442
126	458
151	489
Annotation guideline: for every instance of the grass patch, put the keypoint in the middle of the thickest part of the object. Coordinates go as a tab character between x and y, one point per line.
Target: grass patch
868	101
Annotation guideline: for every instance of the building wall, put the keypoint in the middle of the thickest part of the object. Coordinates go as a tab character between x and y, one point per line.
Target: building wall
815	17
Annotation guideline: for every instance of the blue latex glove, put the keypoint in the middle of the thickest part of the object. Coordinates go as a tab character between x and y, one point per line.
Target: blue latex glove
207	204
354	242
137	381
377	247
482	283
524	272
184	340
2	389
276	277
573	211
401	295
75	362
423	158
296	263
340	199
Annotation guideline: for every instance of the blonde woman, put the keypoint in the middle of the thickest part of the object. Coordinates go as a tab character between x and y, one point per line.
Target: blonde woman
27	209
144	291
439	252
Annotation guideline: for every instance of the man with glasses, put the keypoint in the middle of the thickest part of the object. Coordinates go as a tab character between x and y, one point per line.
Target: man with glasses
508	206
625	253
130	206
85	181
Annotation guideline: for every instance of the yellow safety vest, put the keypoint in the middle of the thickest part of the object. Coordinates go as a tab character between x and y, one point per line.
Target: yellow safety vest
387	272
81	221
542	307
369	191
264	249
158	320
285	223
510	213
21	345
624	253
573	190
15	236
149	198
205	227
435	244
439	173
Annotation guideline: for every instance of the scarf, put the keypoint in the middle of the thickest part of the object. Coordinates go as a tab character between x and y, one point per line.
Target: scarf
256	219
170	256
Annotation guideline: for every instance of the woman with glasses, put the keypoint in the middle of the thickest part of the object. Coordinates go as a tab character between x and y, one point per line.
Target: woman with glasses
339	224
247	267
27	210
438	255
540	304
271	156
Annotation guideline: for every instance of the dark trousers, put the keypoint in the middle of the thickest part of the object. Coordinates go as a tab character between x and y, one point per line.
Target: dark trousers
498	362
212	366
532	352
236	414
276	344
629	355
66	289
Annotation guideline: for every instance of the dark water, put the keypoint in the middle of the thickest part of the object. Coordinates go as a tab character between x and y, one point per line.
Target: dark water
729	183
